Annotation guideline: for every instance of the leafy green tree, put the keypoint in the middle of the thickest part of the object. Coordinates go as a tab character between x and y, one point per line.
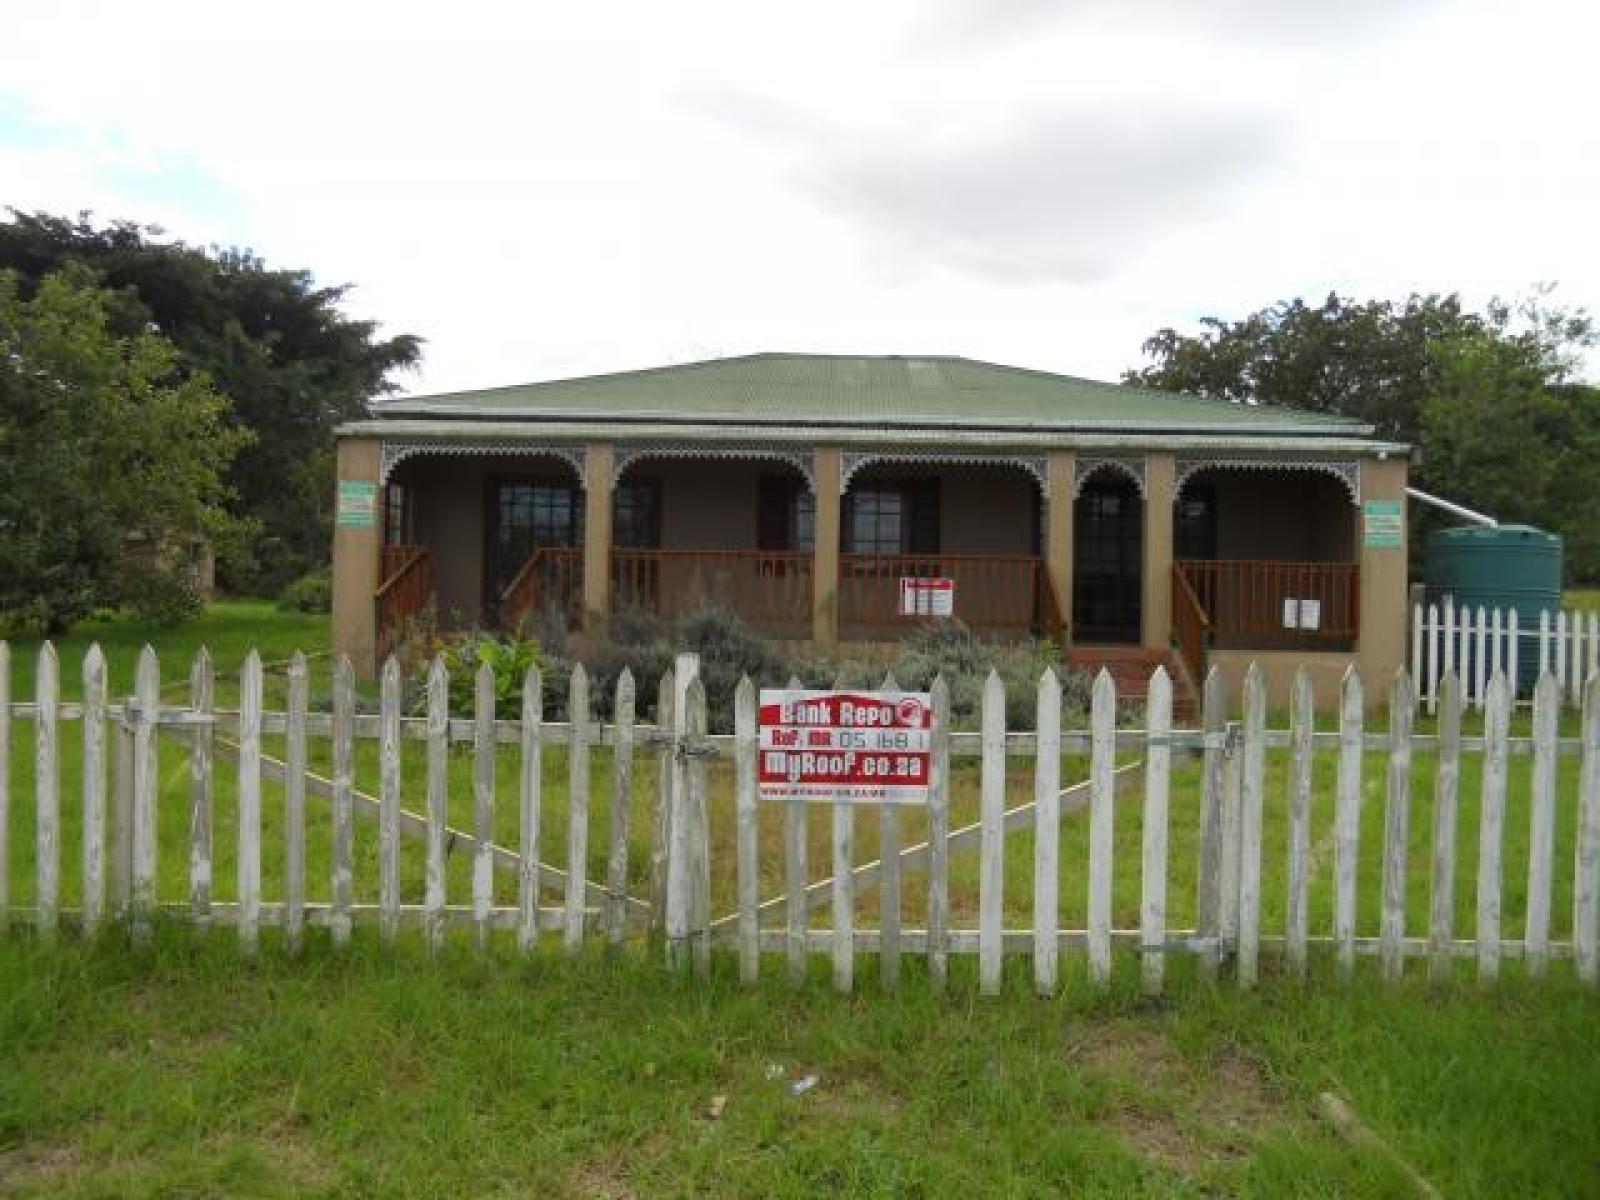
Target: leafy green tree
280	347
101	436
1487	399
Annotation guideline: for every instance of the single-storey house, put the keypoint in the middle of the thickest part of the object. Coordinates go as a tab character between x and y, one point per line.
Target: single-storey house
843	498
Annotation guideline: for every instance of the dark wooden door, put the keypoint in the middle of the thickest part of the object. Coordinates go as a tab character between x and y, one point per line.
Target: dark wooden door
1108	554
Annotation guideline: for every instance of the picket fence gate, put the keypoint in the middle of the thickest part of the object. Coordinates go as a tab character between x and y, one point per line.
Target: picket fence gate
1232	802
1476	643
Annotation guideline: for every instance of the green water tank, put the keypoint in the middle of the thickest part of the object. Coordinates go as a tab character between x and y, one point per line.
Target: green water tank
1501	566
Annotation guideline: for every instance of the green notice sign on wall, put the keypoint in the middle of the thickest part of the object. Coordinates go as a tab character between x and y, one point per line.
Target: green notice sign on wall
1383	525
358	504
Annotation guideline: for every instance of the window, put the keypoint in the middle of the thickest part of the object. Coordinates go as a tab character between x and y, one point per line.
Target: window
399	515
899	517
527	515
786	515
636	515
877	523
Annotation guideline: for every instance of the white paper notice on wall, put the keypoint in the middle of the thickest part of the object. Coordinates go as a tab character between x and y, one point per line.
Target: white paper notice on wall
920	597
1311	614
1291	613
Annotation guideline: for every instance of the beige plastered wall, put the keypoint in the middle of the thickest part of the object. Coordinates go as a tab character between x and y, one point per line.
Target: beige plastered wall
355	564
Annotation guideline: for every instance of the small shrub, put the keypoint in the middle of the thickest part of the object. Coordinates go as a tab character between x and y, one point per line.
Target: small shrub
510	657
165	597
311	593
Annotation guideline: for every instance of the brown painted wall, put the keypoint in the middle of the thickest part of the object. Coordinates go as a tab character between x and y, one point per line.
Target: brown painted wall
1286	515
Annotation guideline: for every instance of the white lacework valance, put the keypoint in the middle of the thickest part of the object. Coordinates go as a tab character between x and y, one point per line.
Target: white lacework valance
392	454
1347	472
853	461
1133	468
800	460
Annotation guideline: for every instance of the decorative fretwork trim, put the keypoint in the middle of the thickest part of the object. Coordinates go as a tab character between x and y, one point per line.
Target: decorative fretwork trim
800	460
1347	471
852	461
392	454
1133	468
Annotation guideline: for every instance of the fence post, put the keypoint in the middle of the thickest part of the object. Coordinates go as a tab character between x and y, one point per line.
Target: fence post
1397	829
344	712
146	782
1232	786
249	863
1435	672
992	849
1347	822
939	837
685	669
529	785
622	715
1586	882
889	883
94	789
201	689
1447	776
744	798
697	812
1047	834
795	871
1153	865
1302	725
577	806
1542	824
438	803
5	786
122	815
294	825
1252	772
389	802
1208	892
47	792
1491	826
1102	822
483	801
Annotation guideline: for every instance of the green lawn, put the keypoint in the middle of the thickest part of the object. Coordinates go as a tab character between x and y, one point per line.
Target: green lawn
183	1070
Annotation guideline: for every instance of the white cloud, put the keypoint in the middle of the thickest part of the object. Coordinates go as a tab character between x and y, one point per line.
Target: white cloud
556	189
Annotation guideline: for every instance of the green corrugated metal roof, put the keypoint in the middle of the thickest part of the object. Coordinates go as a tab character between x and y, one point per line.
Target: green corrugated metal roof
858	390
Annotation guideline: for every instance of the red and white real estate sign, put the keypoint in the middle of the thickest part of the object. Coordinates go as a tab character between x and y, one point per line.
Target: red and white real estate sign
867	747
921	597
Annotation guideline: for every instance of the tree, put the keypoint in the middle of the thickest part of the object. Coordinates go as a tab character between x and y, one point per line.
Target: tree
101	435
280	347
1487	399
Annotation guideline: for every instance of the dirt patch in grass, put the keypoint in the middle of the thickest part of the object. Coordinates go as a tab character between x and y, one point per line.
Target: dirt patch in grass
600	1179
1185	1112
44	1166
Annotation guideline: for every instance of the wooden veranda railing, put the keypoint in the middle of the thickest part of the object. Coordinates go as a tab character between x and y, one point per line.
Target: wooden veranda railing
769	591
993	593
1247	602
406	589
550	581
1191	628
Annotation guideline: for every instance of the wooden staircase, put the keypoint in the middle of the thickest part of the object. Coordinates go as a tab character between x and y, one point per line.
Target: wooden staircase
1131	668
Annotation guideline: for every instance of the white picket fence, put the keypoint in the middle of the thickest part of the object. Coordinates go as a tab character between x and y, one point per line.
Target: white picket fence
121	812
1475	643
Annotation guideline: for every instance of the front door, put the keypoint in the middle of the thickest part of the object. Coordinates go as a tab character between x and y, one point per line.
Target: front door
525	515
1108	554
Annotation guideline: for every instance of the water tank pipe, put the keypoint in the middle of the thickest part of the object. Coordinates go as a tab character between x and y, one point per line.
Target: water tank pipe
1452	508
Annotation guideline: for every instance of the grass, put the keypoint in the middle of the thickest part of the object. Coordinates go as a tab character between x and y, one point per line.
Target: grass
180	1069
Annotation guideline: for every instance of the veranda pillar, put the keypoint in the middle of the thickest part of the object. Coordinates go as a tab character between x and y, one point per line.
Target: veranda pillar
1062	467
1383	529
357	547
825	550
1160	473
597	496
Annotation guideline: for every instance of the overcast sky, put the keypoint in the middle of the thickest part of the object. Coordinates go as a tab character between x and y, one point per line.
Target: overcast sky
553	189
